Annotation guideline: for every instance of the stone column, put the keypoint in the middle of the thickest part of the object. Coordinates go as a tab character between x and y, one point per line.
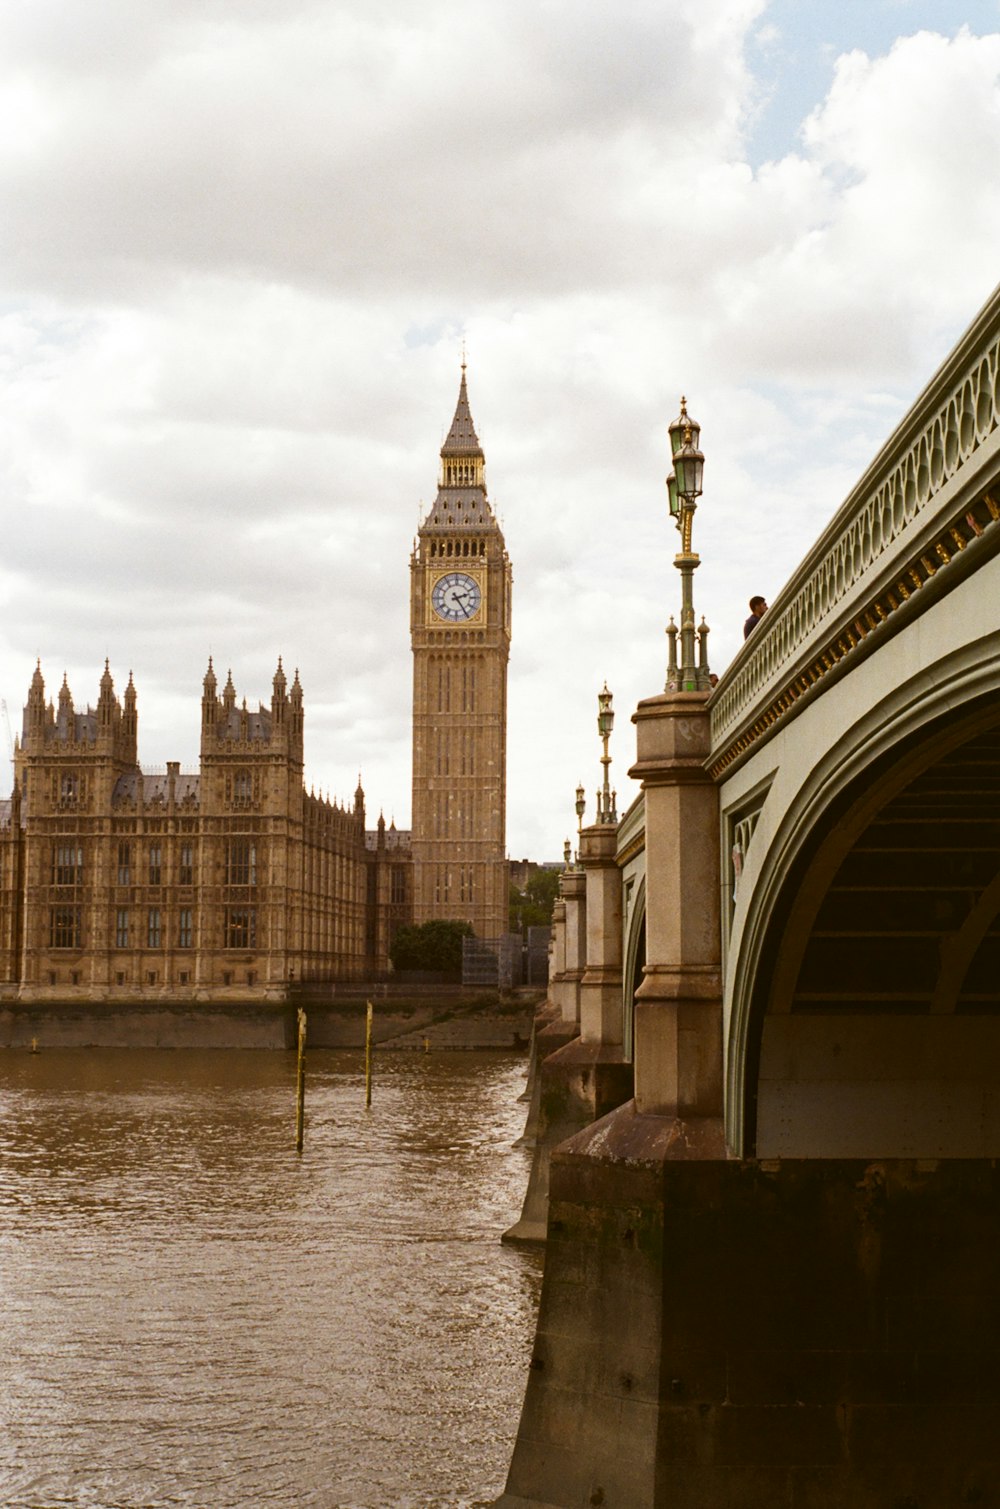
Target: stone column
678	1009
557	955
601	985
573	887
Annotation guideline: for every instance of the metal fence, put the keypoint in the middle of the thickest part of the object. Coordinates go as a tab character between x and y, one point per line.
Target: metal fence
492	961
508	961
536	957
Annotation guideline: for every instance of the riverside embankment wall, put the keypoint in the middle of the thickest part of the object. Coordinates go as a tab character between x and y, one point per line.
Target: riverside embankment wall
452	1019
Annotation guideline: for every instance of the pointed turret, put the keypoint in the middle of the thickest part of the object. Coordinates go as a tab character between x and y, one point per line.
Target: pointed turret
130	720
64	717
209	702
359	802
106	703
34	712
279	696
295	704
462	439
461	498
228	694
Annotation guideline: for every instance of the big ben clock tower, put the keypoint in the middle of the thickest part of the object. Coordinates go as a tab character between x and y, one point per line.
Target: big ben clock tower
460	599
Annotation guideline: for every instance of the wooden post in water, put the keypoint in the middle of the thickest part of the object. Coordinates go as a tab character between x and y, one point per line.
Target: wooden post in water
300	1084
368	1057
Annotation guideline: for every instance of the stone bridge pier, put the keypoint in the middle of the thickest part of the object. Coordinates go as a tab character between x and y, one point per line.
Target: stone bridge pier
580	1069
556	1023
597	1394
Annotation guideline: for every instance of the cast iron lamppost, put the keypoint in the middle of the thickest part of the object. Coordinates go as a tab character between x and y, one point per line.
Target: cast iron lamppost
683	491
581	804
606	798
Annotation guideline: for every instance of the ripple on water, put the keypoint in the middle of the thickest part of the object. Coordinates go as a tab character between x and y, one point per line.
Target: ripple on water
192	1314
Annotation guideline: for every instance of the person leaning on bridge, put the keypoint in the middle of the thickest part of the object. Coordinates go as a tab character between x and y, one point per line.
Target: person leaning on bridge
758	607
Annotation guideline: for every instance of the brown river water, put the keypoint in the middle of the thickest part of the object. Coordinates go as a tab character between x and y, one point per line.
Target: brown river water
191	1313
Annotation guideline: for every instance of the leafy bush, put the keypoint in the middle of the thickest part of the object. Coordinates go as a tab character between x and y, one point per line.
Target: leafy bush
433	945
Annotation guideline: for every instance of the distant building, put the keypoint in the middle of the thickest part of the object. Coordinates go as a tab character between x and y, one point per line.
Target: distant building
520	871
232	882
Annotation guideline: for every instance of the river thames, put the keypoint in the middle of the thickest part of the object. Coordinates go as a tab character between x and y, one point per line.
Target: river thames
193	1314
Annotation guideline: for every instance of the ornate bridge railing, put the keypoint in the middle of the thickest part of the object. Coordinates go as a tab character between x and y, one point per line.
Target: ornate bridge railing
922	516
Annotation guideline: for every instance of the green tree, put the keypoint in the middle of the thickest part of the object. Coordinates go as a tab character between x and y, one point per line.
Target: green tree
433	945
532	907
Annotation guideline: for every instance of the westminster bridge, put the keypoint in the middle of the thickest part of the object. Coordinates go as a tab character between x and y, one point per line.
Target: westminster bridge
767	1110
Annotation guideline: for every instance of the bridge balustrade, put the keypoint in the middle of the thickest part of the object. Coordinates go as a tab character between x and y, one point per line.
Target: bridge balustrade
919	508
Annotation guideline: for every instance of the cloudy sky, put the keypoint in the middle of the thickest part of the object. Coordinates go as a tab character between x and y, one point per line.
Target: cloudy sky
242	241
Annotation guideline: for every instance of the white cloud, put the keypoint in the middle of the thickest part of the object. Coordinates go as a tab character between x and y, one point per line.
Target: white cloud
241	245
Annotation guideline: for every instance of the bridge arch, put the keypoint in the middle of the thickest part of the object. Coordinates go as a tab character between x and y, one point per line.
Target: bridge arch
865	1006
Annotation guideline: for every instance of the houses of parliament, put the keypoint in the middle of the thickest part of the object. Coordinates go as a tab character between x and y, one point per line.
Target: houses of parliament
235	882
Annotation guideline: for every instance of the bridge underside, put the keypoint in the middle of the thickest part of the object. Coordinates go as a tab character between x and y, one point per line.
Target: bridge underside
880	1035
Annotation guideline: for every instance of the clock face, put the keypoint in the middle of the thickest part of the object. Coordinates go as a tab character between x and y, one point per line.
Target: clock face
456	597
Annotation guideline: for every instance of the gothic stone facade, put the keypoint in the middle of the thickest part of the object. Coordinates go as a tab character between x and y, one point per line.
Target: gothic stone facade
460	611
234	882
